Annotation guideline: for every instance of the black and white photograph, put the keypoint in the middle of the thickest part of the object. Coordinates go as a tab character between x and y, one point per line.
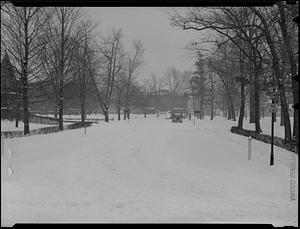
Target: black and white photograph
149	114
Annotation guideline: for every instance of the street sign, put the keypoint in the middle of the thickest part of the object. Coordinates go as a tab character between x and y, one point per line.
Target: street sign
272	94
275	100
273	109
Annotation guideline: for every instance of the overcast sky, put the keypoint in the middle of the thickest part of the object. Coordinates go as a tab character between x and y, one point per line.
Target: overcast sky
164	45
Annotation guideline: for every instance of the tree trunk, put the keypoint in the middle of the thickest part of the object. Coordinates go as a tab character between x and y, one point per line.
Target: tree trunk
60	113
256	101
125	115
128	114
231	112
26	113
106	118
158	106
201	98
251	99
119	113
18	111
224	111
281	118
25	79
55	110
278	76
287	38
83	86
82	106
228	113
242	107
25	102
285	112
243	97
60	104
211	98
252	105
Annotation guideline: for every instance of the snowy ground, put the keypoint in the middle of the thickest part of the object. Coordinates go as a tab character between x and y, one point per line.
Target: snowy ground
7	125
147	170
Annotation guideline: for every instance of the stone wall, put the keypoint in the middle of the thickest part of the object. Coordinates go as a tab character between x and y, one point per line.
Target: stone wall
291	146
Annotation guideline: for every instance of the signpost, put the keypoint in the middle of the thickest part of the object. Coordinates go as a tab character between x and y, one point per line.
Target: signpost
272	136
273	95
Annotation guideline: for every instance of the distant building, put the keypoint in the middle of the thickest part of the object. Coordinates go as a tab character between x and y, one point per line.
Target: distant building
9	89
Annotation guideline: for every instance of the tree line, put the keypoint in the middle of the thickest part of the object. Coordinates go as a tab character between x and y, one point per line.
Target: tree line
55	47
252	47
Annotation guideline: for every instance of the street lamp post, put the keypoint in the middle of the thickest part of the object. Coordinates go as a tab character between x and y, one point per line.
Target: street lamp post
272	95
272	136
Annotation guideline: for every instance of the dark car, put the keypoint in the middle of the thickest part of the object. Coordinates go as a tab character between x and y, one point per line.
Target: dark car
177	114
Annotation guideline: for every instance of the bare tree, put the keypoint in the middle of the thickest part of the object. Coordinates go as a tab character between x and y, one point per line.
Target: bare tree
230	24
200	65
157	85
224	66
264	16
289	32
83	42
60	51
111	52
211	78
120	92
134	61
173	81
21	30
145	94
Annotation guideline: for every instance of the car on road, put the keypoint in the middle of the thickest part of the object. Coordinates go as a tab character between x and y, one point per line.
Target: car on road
177	114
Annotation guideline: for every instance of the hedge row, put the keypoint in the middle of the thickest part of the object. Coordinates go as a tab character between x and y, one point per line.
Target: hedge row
291	145
44	130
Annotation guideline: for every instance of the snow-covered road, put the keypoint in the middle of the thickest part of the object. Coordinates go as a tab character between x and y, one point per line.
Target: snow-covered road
147	170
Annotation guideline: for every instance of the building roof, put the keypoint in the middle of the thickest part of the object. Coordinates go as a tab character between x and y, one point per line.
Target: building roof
9	83
6	67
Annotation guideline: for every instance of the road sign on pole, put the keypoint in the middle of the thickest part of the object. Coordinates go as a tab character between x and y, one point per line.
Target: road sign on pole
273	110
272	94
273	107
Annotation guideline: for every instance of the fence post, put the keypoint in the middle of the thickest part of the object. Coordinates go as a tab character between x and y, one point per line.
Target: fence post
249	147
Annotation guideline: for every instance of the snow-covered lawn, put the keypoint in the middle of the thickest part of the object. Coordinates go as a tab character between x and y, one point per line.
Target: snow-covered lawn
7	125
147	170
